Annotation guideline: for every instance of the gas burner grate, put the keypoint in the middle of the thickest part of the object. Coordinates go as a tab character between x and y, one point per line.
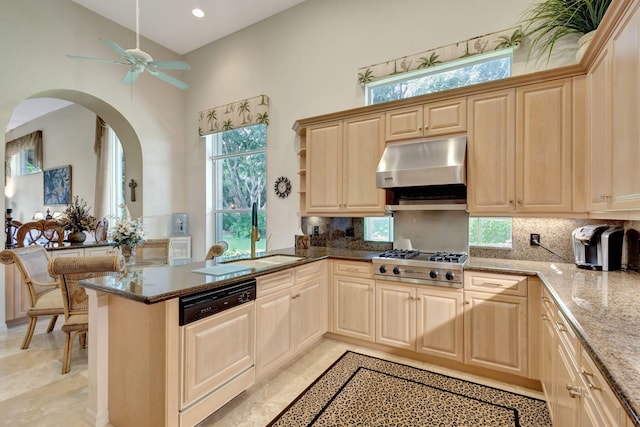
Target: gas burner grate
448	257
400	253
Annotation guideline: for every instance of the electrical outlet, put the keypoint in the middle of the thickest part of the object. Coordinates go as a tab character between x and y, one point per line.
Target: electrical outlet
534	239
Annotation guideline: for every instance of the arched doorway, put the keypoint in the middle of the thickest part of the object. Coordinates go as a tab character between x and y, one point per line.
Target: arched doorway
121	126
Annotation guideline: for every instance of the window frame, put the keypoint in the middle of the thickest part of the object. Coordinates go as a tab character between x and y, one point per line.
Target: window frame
438	69
215	181
481	244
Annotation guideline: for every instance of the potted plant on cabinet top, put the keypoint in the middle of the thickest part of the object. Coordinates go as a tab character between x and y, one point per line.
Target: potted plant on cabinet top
77	219
548	21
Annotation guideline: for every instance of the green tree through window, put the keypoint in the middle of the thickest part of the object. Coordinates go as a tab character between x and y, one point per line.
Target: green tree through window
239	175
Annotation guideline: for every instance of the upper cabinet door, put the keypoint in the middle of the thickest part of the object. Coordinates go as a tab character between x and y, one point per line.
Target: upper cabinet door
626	114
363	142
404	123
599	139
445	117
543	147
324	167
491	145
436	118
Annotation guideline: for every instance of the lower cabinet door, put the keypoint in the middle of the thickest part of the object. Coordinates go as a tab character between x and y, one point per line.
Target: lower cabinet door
309	312
396	315
217	349
495	331
439	323
274	334
354	309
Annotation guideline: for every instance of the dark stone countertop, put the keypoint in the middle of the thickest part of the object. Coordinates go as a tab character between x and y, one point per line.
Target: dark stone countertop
151	283
603	309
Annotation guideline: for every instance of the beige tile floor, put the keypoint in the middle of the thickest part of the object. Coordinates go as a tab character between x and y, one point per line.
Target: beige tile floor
34	393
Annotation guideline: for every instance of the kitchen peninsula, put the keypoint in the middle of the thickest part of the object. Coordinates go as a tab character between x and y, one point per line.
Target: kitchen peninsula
136	317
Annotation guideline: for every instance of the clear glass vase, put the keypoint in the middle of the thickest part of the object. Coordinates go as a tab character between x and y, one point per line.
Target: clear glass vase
129	253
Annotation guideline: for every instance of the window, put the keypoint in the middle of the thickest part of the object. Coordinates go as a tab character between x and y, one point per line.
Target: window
453	74
238	169
490	232
23	156
114	166
378	229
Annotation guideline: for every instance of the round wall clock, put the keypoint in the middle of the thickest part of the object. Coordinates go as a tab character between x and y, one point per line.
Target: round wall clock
282	187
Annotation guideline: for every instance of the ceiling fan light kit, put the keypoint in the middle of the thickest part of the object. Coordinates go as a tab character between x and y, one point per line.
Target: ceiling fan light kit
139	60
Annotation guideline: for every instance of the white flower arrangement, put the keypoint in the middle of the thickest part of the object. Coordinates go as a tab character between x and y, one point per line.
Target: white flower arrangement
127	231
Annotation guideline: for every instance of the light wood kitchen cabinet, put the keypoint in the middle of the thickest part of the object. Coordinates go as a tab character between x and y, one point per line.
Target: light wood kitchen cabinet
310	305
342	158
492	152
599	141
625	74
524	167
576	392
433	119
291	314
495	322
274	321
215	349
354	300
421	319
543	147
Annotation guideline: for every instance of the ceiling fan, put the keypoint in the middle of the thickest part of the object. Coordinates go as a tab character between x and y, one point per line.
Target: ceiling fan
138	60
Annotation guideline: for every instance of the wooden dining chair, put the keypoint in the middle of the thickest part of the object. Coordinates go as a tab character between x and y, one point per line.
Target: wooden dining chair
69	270
44	294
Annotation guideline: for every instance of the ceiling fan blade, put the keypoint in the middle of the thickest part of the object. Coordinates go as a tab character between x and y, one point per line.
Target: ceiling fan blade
167	78
131	76
86	58
170	65
120	51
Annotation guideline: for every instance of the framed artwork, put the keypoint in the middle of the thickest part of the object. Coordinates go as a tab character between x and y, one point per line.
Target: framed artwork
57	186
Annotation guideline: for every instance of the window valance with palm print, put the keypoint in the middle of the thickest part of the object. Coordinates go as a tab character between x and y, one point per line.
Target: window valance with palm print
246	112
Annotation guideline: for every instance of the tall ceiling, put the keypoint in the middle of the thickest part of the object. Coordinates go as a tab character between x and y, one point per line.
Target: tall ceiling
171	24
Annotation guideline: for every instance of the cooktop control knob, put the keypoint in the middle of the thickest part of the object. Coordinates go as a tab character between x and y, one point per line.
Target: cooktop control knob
383	269
396	270
433	274
450	275
244	297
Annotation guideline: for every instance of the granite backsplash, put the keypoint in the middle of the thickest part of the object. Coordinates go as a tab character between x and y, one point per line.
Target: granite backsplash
555	234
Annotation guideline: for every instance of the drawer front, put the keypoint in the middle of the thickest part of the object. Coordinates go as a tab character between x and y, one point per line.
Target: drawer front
274	282
353	269
310	271
549	307
505	284
604	400
567	336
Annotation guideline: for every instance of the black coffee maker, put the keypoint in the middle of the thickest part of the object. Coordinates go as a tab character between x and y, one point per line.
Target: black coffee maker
598	247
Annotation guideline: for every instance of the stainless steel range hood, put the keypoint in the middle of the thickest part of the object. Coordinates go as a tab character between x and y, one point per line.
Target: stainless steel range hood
425	174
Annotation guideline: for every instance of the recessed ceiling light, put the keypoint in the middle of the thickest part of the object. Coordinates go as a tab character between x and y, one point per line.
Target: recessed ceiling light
198	13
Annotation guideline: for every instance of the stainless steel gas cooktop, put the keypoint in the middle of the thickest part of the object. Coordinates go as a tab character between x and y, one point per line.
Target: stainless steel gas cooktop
427	268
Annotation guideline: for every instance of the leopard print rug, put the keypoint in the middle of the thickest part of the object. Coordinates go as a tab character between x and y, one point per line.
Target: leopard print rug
359	390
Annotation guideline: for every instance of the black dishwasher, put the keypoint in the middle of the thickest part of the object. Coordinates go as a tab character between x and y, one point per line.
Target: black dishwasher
207	303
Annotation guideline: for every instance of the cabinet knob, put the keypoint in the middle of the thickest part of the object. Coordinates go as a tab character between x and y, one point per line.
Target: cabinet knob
519	202
544	317
467	302
510	202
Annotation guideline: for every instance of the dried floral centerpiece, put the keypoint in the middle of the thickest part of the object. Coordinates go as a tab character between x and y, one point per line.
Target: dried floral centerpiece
127	234
77	219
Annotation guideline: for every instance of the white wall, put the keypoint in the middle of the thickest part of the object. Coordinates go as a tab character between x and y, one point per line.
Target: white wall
306	60
68	136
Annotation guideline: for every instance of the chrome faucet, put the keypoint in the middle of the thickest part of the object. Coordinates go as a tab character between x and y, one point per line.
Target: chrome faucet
255	235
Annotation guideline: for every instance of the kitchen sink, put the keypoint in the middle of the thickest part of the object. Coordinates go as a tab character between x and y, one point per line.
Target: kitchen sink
267	261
